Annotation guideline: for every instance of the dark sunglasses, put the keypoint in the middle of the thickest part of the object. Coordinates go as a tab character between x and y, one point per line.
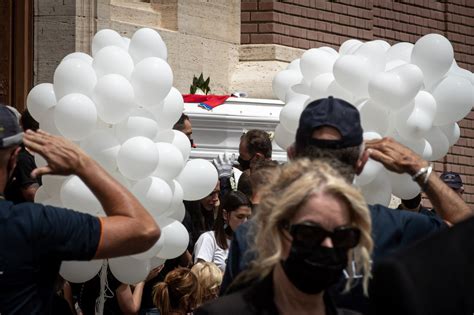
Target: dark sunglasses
311	234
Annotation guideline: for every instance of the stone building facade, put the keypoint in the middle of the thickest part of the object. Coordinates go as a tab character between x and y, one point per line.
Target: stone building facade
242	44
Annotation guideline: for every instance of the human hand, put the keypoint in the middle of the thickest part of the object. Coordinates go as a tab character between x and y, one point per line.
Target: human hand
224	164
154	272
395	156
63	156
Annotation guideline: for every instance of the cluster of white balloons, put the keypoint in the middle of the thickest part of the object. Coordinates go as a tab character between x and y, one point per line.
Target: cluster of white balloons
119	106
413	92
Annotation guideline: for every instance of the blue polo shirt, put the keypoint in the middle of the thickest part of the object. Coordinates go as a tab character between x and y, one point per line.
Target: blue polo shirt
34	239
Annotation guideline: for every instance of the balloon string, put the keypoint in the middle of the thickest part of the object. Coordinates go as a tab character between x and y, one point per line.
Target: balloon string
100	302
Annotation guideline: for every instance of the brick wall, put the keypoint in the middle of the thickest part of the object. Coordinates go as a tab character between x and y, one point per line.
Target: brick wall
315	23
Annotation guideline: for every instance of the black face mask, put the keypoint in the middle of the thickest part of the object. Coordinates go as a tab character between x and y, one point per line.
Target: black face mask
312	270
244	164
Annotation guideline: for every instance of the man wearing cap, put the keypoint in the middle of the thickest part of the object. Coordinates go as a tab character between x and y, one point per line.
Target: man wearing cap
454	181
330	129
35	238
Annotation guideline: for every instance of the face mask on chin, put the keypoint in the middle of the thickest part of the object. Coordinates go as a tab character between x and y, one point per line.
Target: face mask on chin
314	270
244	164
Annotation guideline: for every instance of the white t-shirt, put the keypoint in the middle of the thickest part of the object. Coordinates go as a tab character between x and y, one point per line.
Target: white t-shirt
206	249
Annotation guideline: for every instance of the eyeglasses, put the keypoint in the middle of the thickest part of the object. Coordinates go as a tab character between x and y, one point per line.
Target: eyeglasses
311	234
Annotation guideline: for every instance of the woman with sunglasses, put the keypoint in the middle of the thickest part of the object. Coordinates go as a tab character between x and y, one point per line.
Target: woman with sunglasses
310	226
213	246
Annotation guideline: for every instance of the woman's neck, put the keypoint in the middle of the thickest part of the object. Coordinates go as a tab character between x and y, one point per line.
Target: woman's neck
290	300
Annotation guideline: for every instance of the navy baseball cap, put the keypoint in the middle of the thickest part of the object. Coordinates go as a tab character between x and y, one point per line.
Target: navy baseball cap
332	112
10	131
452	179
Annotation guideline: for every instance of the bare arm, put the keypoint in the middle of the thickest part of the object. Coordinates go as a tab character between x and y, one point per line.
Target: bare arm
400	159
129	302
128	227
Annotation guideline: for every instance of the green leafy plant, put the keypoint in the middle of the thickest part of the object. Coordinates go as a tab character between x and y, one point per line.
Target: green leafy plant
200	83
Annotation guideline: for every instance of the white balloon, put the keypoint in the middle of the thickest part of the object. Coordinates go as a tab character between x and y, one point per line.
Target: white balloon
129	270
320	85
176	201
77	196
294	65
137	158
103	147
126	42
152	80
283	137
40	99
374	117
383	44
349	46
79	55
41	195
291	112
169	111
80	271
121	179
52	184
353	72
171	161
112	60
372	168
403	186
379	191
147	43
455	97
400	51
114	98
178	139
434	54
452	132
419	146
104	38
139	123
397	87
439	143
414	120
457	71
154	193
315	62
75	116
178	213
156	262
39	160
175	238
283	80
394	64
198	179
74	76
150	253
47	122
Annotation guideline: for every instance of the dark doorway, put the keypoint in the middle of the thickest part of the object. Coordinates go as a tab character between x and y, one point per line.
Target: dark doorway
16	51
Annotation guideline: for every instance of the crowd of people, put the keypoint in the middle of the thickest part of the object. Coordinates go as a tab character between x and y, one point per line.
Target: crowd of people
292	238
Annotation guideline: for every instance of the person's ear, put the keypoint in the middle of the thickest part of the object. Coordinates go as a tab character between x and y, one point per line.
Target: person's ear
291	151
361	162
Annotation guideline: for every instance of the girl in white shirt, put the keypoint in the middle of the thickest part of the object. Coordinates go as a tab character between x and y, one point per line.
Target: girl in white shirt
213	246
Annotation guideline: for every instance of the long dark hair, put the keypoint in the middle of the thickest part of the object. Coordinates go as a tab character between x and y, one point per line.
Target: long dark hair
233	200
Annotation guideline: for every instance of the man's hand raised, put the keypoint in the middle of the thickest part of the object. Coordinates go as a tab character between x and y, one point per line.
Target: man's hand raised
63	156
395	156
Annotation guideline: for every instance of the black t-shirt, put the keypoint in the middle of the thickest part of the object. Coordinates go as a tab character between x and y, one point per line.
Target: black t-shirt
21	177
34	239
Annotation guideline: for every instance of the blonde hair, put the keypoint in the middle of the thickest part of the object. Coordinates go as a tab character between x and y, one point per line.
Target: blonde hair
209	277
179	291
297	182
